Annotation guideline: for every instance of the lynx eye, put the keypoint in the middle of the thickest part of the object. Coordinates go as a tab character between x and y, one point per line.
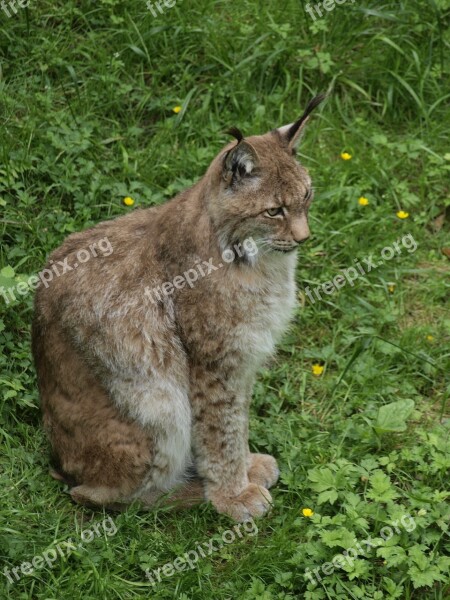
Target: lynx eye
274	212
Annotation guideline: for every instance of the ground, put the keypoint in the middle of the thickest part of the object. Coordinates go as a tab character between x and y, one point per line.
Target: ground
354	405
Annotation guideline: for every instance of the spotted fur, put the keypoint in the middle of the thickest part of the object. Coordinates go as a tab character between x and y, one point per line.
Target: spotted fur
142	398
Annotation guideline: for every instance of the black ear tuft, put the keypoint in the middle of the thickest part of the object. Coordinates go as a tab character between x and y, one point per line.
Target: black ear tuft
235	132
314	103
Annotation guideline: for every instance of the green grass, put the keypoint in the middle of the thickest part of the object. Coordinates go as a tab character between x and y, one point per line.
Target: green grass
87	91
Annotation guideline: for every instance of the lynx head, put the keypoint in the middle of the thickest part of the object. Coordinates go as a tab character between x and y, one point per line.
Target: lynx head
258	190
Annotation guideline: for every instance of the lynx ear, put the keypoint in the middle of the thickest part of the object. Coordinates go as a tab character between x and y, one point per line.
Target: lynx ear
240	160
292	134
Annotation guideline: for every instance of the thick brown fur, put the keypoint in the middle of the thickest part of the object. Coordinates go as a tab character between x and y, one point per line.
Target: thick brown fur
140	388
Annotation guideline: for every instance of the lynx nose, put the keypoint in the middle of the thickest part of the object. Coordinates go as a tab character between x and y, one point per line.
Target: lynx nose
300	230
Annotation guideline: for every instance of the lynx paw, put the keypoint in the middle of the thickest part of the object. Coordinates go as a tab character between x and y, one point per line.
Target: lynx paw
254	501
263	470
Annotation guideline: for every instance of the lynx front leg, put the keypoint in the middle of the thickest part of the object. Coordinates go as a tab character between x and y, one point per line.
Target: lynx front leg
262	469
221	447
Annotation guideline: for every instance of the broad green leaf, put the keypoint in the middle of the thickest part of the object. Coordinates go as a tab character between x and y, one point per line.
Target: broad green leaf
425	578
7	272
394	590
323	479
327	496
392	417
341	537
360	569
393	555
381	489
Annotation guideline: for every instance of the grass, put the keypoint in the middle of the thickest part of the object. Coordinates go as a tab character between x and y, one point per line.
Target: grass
87	95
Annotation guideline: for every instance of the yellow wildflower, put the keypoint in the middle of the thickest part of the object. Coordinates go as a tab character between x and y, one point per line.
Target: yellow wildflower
430	338
176	109
402	214
363	201
307	512
317	370
128	201
391	288
346	156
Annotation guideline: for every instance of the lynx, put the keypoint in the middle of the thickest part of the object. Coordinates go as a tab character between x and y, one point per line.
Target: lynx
145	381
